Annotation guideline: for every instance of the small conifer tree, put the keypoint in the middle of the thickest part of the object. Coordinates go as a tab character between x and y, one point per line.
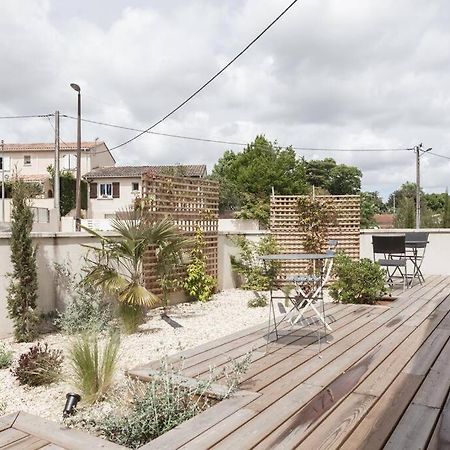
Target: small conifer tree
22	290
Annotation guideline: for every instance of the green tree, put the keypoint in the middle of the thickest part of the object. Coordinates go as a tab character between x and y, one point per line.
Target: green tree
246	179
405	206
22	290
337	179
67	186
435	202
405	214
345	180
318	172
371	204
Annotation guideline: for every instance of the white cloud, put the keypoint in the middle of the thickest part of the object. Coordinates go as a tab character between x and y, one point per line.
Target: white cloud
334	74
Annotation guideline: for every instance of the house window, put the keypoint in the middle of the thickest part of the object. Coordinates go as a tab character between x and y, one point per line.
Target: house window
69	162
135	187
27	160
106	190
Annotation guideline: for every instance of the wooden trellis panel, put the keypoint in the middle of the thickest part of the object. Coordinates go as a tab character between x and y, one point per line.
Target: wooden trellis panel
190	203
284	226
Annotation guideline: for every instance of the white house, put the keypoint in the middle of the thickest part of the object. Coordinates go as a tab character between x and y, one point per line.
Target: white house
30	162
112	189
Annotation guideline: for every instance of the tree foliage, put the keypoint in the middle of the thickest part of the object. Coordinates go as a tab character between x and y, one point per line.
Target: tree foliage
371	204
198	283
315	218
117	265
246	179
67	186
337	179
22	290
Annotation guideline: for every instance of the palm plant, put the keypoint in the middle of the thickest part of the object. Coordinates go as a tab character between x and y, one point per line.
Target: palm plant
117	265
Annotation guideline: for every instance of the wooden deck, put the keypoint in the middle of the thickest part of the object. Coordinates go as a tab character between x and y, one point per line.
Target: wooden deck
381	380
25	431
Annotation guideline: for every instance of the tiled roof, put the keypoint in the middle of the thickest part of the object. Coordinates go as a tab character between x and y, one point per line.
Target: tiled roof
37	178
48	147
188	170
384	220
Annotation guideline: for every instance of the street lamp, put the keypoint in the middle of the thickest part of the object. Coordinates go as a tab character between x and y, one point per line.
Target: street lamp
77	88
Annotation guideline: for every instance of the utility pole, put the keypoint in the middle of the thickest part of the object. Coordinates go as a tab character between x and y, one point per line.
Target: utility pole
56	184
3	180
419	151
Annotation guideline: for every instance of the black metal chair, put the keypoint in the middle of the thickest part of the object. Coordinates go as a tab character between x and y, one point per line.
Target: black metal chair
416	244
394	257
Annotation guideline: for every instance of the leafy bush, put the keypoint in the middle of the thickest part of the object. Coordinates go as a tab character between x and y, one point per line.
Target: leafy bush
360	281
199	283
86	308
40	365
250	266
6	357
93	369
149	410
258	301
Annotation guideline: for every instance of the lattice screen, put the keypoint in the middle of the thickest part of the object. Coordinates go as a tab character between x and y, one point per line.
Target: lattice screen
189	203
284	226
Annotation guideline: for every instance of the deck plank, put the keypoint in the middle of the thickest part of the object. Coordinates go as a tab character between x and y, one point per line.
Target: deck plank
10	435
372	377
253	431
414	429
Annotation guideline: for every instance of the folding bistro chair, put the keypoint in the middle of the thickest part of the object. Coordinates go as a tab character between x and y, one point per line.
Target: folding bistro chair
394	257
416	244
309	288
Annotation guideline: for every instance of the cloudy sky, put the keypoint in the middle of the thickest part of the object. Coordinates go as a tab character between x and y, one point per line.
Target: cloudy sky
330	74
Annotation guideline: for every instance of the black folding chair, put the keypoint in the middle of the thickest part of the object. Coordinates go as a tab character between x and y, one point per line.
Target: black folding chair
416	244
394	257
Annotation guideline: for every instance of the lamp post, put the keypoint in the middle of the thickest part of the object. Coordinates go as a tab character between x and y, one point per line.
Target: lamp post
78	180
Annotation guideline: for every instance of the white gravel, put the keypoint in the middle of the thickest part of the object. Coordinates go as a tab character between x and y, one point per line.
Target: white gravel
226	313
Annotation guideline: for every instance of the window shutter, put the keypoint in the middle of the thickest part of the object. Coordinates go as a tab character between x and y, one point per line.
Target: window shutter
93	190
7	163
116	190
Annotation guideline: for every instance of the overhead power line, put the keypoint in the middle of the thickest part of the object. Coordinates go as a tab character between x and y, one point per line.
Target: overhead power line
238	143
203	86
439	155
27	116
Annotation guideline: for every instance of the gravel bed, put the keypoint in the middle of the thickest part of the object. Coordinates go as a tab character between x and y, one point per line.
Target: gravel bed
226	313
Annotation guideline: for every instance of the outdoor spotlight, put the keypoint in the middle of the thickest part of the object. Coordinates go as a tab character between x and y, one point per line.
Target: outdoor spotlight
71	404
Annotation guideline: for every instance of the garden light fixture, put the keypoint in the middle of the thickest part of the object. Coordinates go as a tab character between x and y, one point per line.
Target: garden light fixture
71	404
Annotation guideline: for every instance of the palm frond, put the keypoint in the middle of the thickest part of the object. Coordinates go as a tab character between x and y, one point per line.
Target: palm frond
136	294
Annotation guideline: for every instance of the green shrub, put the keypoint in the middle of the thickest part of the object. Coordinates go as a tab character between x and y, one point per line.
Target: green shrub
86	309
250	266
22	290
360	281
258	301
94	369
6	357
198	282
39	366
149	410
